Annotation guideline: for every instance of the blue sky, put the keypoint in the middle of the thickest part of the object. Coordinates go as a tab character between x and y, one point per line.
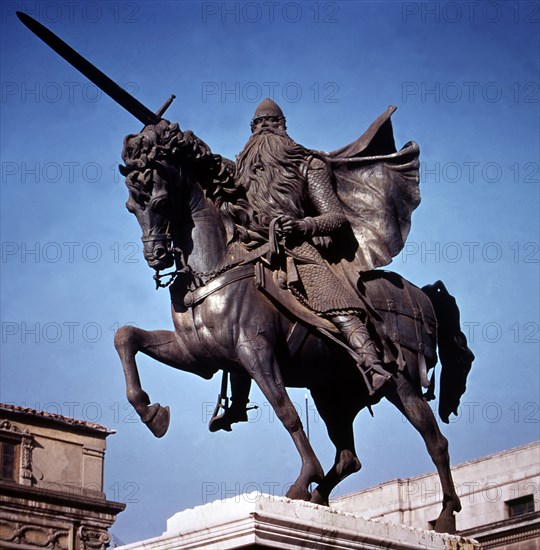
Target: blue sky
465	78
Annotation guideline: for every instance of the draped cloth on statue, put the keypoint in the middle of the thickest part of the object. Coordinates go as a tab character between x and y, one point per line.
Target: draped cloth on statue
378	188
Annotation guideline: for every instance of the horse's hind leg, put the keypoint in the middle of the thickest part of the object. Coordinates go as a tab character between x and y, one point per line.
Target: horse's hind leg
161	345
258	359
338	413
415	408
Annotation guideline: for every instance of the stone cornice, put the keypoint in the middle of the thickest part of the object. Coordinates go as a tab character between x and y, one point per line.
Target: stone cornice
519	528
16	411
16	495
262	521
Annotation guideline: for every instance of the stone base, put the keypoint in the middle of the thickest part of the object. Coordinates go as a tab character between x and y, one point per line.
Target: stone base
256	521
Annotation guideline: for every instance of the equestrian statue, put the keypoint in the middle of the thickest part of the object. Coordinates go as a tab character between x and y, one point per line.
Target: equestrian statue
274	279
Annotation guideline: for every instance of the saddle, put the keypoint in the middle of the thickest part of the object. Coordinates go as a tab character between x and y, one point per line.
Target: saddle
260	263
274	285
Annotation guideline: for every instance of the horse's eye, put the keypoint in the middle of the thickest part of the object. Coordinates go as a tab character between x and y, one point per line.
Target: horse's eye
159	205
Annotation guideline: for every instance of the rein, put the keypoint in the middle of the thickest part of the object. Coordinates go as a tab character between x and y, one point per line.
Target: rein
205	277
271	248
172	274
166	238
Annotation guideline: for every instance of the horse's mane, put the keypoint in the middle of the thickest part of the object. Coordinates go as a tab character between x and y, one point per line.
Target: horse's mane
161	145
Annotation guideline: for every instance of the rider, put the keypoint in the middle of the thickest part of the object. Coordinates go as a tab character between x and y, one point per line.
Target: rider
284	180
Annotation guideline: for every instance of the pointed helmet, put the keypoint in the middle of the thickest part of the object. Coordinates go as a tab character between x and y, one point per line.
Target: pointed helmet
268	108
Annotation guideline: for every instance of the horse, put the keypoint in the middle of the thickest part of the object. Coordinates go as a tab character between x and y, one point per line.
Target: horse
171	176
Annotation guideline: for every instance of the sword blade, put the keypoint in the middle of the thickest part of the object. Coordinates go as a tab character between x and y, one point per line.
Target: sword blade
101	80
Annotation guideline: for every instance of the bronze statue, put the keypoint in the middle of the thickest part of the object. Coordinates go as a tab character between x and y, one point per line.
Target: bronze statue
285	182
241	291
274	280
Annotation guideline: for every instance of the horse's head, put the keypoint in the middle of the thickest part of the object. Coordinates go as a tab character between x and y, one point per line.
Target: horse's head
173	177
151	177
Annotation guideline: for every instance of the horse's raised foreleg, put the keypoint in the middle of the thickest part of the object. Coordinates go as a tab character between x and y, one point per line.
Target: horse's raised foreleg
161	345
338	413
417	411
258	359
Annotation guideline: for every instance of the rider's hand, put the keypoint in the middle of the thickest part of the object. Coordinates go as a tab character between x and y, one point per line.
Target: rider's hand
288	226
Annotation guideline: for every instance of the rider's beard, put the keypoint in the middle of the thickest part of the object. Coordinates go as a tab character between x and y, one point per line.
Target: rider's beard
270	170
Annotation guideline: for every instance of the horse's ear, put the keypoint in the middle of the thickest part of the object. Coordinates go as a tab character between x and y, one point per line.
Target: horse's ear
148	175
123	170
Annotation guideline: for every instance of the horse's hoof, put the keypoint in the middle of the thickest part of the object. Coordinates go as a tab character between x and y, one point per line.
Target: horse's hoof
159	418
446	523
317	498
348	464
296	492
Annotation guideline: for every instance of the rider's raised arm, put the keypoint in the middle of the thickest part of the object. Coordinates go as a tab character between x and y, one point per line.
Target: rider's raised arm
330	215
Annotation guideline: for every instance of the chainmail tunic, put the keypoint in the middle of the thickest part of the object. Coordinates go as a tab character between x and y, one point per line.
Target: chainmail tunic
319	288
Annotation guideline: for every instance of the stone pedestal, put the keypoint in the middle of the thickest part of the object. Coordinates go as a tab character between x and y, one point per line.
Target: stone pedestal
256	521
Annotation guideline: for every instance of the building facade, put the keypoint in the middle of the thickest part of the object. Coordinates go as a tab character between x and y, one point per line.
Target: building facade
500	494
51	482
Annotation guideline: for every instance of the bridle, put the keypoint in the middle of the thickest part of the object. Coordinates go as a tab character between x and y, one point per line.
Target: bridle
166	239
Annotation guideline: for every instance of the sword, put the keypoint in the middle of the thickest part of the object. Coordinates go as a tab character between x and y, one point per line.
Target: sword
101	80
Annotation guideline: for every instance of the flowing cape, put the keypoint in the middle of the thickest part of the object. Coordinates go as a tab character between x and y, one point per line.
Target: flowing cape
378	189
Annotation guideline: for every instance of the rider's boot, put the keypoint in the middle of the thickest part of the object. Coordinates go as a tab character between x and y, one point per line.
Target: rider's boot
237	412
357	337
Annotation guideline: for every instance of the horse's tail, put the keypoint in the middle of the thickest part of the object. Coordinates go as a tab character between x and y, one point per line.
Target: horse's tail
456	357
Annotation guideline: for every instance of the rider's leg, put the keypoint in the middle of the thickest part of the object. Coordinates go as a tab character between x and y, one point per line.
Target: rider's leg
237	412
240	386
358	338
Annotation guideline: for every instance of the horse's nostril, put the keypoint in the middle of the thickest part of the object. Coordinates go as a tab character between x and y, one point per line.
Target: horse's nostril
160	252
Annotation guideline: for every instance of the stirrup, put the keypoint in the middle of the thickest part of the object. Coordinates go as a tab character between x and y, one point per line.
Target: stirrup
378	369
224	420
367	375
215	420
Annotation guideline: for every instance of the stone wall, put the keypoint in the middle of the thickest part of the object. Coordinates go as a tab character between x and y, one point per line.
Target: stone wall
51	482
488	488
